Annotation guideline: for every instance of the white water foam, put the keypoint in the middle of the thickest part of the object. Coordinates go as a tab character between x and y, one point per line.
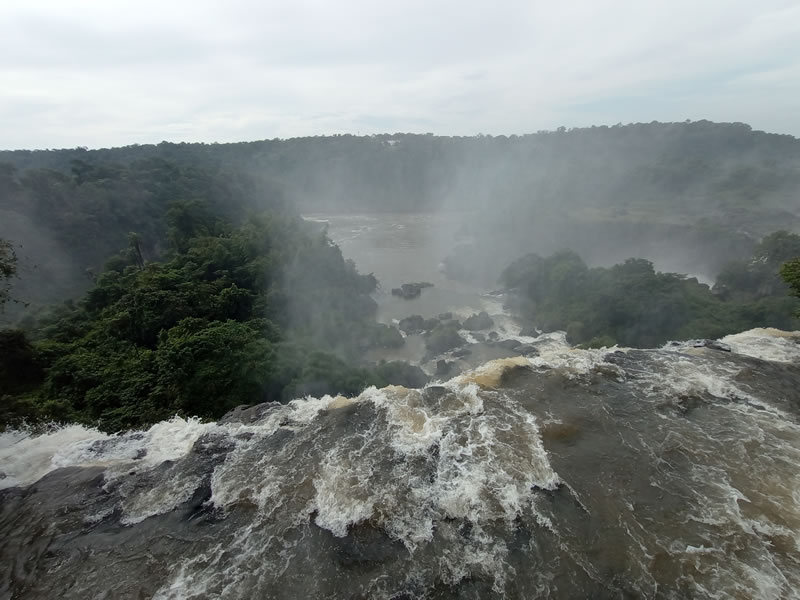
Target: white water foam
25	457
766	344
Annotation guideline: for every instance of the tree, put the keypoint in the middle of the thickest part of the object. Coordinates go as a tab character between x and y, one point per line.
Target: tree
8	269
790	271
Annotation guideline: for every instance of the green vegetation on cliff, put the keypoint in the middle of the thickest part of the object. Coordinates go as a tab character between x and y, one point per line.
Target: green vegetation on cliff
266	311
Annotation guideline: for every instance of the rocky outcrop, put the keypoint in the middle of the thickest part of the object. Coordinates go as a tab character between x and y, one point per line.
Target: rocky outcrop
409	291
442	339
416	324
478	321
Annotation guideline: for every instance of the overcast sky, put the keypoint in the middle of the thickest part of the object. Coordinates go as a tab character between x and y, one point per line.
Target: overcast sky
112	72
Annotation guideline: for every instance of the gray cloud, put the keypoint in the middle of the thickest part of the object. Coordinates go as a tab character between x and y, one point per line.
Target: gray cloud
111	73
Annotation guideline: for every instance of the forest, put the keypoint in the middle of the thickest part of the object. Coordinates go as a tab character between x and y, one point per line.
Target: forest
146	281
203	316
632	305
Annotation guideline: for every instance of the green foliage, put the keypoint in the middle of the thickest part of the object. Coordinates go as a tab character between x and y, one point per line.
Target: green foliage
228	319
401	373
8	269
790	272
760	276
633	305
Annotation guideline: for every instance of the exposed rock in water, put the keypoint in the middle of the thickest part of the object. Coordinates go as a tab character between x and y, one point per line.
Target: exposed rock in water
442	339
527	350
478	321
446	368
461	352
509	344
408	291
383	336
416	324
402	373
412	324
249	414
712	344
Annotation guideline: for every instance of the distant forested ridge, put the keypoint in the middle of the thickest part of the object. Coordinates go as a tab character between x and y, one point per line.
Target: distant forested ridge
693	194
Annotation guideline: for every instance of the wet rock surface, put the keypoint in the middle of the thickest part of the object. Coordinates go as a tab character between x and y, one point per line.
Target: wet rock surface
409	291
580	473
478	321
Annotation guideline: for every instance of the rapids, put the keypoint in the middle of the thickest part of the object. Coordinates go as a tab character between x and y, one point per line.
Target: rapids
615	473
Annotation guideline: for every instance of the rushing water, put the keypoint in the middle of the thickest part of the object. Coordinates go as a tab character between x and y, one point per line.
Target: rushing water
617	473
629	473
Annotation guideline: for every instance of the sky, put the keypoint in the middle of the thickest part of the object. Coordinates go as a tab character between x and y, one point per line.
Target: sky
101	73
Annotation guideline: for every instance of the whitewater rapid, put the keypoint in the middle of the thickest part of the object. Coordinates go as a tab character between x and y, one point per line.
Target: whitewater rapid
669	473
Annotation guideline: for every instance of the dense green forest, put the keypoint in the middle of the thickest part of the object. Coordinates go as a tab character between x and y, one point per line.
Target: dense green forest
631	304
228	314
267	311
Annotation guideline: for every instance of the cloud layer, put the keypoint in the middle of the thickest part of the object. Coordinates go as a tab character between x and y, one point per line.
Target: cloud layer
121	72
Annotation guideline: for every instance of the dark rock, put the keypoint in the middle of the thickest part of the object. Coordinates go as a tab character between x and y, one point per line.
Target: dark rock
529	331
442	339
509	344
712	344
479	321
446	368
461	352
717	345
248	414
383	336
211	444
493	336
479	337
402	373
430	324
409	291
527	350
412	324
446	316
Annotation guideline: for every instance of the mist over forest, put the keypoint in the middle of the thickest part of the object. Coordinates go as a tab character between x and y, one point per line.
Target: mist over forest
687	196
216	292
